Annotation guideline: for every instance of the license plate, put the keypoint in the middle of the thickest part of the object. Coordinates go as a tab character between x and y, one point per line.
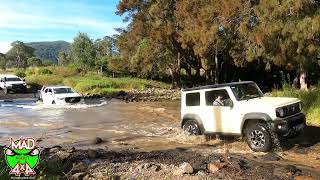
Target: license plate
299	127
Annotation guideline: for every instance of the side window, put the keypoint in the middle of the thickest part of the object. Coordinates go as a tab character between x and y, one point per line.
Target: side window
217	98
48	90
193	99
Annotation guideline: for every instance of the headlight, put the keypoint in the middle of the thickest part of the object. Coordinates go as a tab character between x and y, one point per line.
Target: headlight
280	112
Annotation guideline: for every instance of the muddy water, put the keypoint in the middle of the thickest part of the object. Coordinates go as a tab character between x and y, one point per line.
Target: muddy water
137	126
117	123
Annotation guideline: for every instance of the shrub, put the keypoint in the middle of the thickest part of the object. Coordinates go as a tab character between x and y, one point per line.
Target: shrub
20	73
65	71
40	80
30	71
43	71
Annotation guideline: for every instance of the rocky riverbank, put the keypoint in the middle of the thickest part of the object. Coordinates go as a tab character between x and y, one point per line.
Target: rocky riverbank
62	163
152	94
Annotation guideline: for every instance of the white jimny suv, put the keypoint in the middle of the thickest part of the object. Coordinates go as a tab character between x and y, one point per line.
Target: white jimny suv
240	109
59	95
12	83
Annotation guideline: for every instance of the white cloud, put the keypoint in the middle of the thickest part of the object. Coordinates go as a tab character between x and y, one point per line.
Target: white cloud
5	46
14	19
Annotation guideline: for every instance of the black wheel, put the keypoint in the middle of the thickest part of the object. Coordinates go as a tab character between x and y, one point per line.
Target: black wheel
259	138
191	128
53	102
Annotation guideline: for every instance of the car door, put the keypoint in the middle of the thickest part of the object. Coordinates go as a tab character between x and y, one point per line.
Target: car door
47	96
221	114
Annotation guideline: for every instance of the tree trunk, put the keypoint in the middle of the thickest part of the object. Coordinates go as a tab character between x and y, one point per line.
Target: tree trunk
175	73
174	78
216	78
303	82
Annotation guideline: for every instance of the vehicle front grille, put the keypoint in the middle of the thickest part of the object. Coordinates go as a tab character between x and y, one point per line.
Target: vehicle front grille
17	86
291	109
73	99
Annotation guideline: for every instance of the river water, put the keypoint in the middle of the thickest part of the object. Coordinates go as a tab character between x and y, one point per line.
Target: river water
144	124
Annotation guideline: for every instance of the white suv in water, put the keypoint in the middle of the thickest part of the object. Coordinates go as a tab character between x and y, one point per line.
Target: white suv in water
241	109
59	95
12	83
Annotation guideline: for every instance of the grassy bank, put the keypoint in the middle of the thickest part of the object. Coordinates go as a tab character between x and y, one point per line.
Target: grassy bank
88	84
310	100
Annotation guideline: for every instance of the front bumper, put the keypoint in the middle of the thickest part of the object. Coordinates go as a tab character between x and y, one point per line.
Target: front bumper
17	88
288	126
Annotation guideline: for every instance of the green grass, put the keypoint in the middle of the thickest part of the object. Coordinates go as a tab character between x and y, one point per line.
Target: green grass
88	84
310	100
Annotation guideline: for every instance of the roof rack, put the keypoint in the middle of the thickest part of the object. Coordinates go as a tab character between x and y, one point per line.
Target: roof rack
216	86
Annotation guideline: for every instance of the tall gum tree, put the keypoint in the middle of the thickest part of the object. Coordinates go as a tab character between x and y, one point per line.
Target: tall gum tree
211	28
19	54
286	34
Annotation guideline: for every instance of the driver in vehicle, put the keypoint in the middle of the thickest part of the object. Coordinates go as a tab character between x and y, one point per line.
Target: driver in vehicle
219	101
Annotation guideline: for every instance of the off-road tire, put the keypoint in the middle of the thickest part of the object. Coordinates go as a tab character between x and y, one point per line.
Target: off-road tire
278	141
191	127
259	138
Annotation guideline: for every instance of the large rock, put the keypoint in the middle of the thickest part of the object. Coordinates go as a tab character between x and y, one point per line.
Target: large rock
80	167
271	157
214	167
55	149
287	171
97	140
63	155
184	168
149	166
78	176
93	154
304	178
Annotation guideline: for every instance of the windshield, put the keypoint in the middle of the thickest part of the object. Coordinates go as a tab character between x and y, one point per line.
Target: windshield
13	79
63	91
246	91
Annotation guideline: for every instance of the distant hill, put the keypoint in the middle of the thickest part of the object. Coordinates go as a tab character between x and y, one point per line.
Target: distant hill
49	50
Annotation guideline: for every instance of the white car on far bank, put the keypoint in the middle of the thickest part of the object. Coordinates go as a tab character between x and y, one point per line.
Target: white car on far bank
12	83
59	95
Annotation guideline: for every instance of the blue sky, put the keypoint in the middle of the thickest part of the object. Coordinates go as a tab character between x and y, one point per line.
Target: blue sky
51	20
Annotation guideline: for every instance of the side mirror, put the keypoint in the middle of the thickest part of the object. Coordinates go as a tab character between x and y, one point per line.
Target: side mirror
23	80
50	93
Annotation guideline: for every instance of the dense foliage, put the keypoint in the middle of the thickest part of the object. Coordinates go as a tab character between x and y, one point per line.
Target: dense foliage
216	37
192	42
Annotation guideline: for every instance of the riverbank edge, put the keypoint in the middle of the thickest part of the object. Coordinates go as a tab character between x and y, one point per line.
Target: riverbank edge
62	163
